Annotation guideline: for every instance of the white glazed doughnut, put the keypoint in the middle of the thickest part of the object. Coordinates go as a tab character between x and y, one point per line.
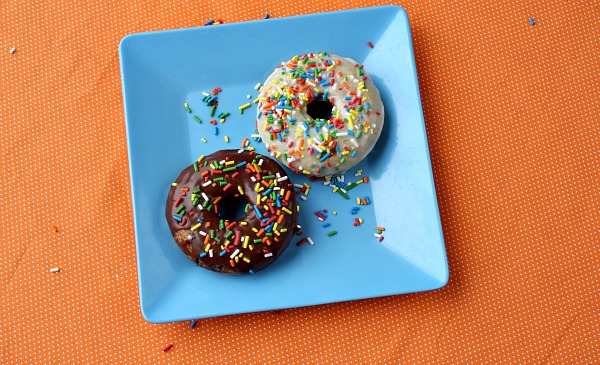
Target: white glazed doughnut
319	114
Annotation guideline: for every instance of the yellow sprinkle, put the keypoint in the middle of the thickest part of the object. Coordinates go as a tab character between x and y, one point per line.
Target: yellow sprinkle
203	140
330	67
366	90
282	192
337	114
251	247
306	191
250	148
297	208
237	259
345	153
335	189
334	213
247	105
266	206
256	187
283	230
244	223
286	210
226	139
245	245
310	142
240	190
276	232
263	199
359	182
222	120
266	126
275	226
275	81
354	112
200	158
357	200
227	243
262	98
229	163
196	226
241	254
258	199
246	259
316	89
254	230
207	248
306	172
277	154
350	124
360	220
185	105
174	184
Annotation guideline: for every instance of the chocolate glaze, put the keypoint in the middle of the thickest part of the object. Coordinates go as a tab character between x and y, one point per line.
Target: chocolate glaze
192	242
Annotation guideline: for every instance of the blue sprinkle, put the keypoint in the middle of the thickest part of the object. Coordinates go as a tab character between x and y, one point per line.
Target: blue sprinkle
347	98
269	227
177	218
211	99
326	93
209	22
337	148
292	120
531	21
216	131
193	324
241	164
222	253
251	272
350	132
258	213
325	157
266	16
203	254
267	192
353	153
279	137
286	107
368	200
199	220
368	105
278	202
326	224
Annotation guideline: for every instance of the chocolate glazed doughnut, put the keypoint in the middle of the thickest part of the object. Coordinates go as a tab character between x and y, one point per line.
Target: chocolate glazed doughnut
224	245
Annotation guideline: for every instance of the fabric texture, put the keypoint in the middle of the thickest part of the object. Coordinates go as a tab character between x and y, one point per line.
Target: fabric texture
512	111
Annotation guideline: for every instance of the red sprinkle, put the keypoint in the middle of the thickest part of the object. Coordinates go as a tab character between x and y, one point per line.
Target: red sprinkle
168	347
302	241
177	202
370	44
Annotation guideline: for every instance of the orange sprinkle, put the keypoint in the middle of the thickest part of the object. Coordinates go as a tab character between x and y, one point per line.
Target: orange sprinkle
299	153
314	82
204	173
216	209
280	219
268	243
244	142
301	144
231	263
260	232
365	179
304	88
250	167
185	189
206	238
217	199
338	62
345	85
287	195
276	239
207	224
266	184
352	93
54	228
268	105
340	74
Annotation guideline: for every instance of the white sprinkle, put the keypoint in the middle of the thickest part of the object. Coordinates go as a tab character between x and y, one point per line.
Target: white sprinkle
260	162
257	86
204	196
376	235
357	174
282	178
327	182
341	134
320	219
348	184
207	183
248	96
255	135
190	237
222	162
200	207
312	243
202	233
13	50
253	178
303	197
299	186
240	150
235	253
210	252
276	188
269	254
354	142
343	190
205	93
55	269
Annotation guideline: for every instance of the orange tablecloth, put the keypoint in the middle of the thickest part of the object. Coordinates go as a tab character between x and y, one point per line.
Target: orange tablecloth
513	119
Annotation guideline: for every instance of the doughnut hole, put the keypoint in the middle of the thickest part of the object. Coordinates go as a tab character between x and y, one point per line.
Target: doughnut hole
317	108
231	207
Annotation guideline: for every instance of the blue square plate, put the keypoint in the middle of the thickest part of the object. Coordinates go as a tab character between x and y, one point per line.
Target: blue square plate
163	70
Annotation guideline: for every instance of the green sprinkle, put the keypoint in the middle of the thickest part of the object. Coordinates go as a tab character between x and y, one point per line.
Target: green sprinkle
358	134
258	240
268	177
196	191
180	208
209	207
351	186
182	214
195	202
222	183
219	179
228	234
343	160
205	204
269	234
212	110
212	233
197	119
218	239
195	167
230	169
332	233
343	194
187	107
221	224
225	115
247	208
